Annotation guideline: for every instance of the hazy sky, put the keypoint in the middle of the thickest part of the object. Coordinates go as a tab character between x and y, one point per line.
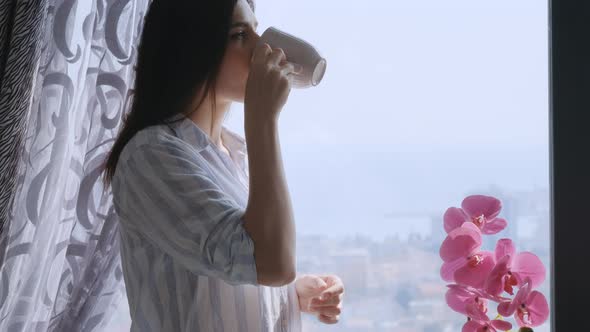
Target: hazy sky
422	101
444	74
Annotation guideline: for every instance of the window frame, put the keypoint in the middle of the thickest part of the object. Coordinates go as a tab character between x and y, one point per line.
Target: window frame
569	166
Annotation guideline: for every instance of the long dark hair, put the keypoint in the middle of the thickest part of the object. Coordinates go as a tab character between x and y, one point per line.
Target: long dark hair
180	52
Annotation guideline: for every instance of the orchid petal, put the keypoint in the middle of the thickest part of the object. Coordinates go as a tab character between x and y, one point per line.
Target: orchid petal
458	298
454	218
460	242
471	326
476	314
477	205
494	226
476	276
523	292
538	308
506	308
527	264
494	284
504	247
447	270
501	325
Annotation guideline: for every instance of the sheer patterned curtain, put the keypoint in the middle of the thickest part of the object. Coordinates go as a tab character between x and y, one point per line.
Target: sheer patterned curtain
66	70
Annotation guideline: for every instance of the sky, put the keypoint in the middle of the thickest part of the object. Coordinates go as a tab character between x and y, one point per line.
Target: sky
444	74
422	102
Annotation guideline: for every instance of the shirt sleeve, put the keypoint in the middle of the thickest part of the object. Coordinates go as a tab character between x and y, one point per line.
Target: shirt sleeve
174	203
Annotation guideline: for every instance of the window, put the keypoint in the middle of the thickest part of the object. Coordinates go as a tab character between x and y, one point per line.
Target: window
423	103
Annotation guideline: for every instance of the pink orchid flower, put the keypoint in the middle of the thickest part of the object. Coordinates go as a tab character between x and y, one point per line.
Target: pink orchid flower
480	322
458	297
512	269
530	308
464	262
480	210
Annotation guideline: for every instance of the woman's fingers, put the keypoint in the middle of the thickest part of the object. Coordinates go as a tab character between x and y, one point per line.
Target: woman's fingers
288	68
328	311
336	285
276	57
328	319
330	307
333	300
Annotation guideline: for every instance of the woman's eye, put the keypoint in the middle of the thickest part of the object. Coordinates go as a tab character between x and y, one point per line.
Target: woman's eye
240	35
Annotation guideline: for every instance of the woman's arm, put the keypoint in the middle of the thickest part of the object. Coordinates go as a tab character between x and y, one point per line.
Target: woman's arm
269	216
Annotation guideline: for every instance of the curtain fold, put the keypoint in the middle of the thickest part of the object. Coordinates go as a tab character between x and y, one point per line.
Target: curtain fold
21	27
66	70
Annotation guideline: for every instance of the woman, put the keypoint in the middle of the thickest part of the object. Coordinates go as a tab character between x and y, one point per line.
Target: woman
207	231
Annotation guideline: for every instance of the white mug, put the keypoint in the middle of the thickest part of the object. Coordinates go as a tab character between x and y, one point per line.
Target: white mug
297	51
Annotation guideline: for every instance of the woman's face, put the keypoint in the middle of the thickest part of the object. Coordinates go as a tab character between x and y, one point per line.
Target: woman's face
231	83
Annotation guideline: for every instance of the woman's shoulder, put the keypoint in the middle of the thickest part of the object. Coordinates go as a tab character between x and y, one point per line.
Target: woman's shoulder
154	153
151	139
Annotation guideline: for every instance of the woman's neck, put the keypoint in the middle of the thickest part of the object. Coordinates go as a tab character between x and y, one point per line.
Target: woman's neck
210	122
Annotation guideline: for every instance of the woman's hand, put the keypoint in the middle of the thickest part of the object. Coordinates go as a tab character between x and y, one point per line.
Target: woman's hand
320	296
268	85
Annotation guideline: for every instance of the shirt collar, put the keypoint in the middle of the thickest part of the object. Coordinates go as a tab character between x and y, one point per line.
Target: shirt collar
187	130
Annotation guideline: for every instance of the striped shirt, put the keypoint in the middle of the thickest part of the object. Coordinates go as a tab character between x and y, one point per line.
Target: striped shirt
188	262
